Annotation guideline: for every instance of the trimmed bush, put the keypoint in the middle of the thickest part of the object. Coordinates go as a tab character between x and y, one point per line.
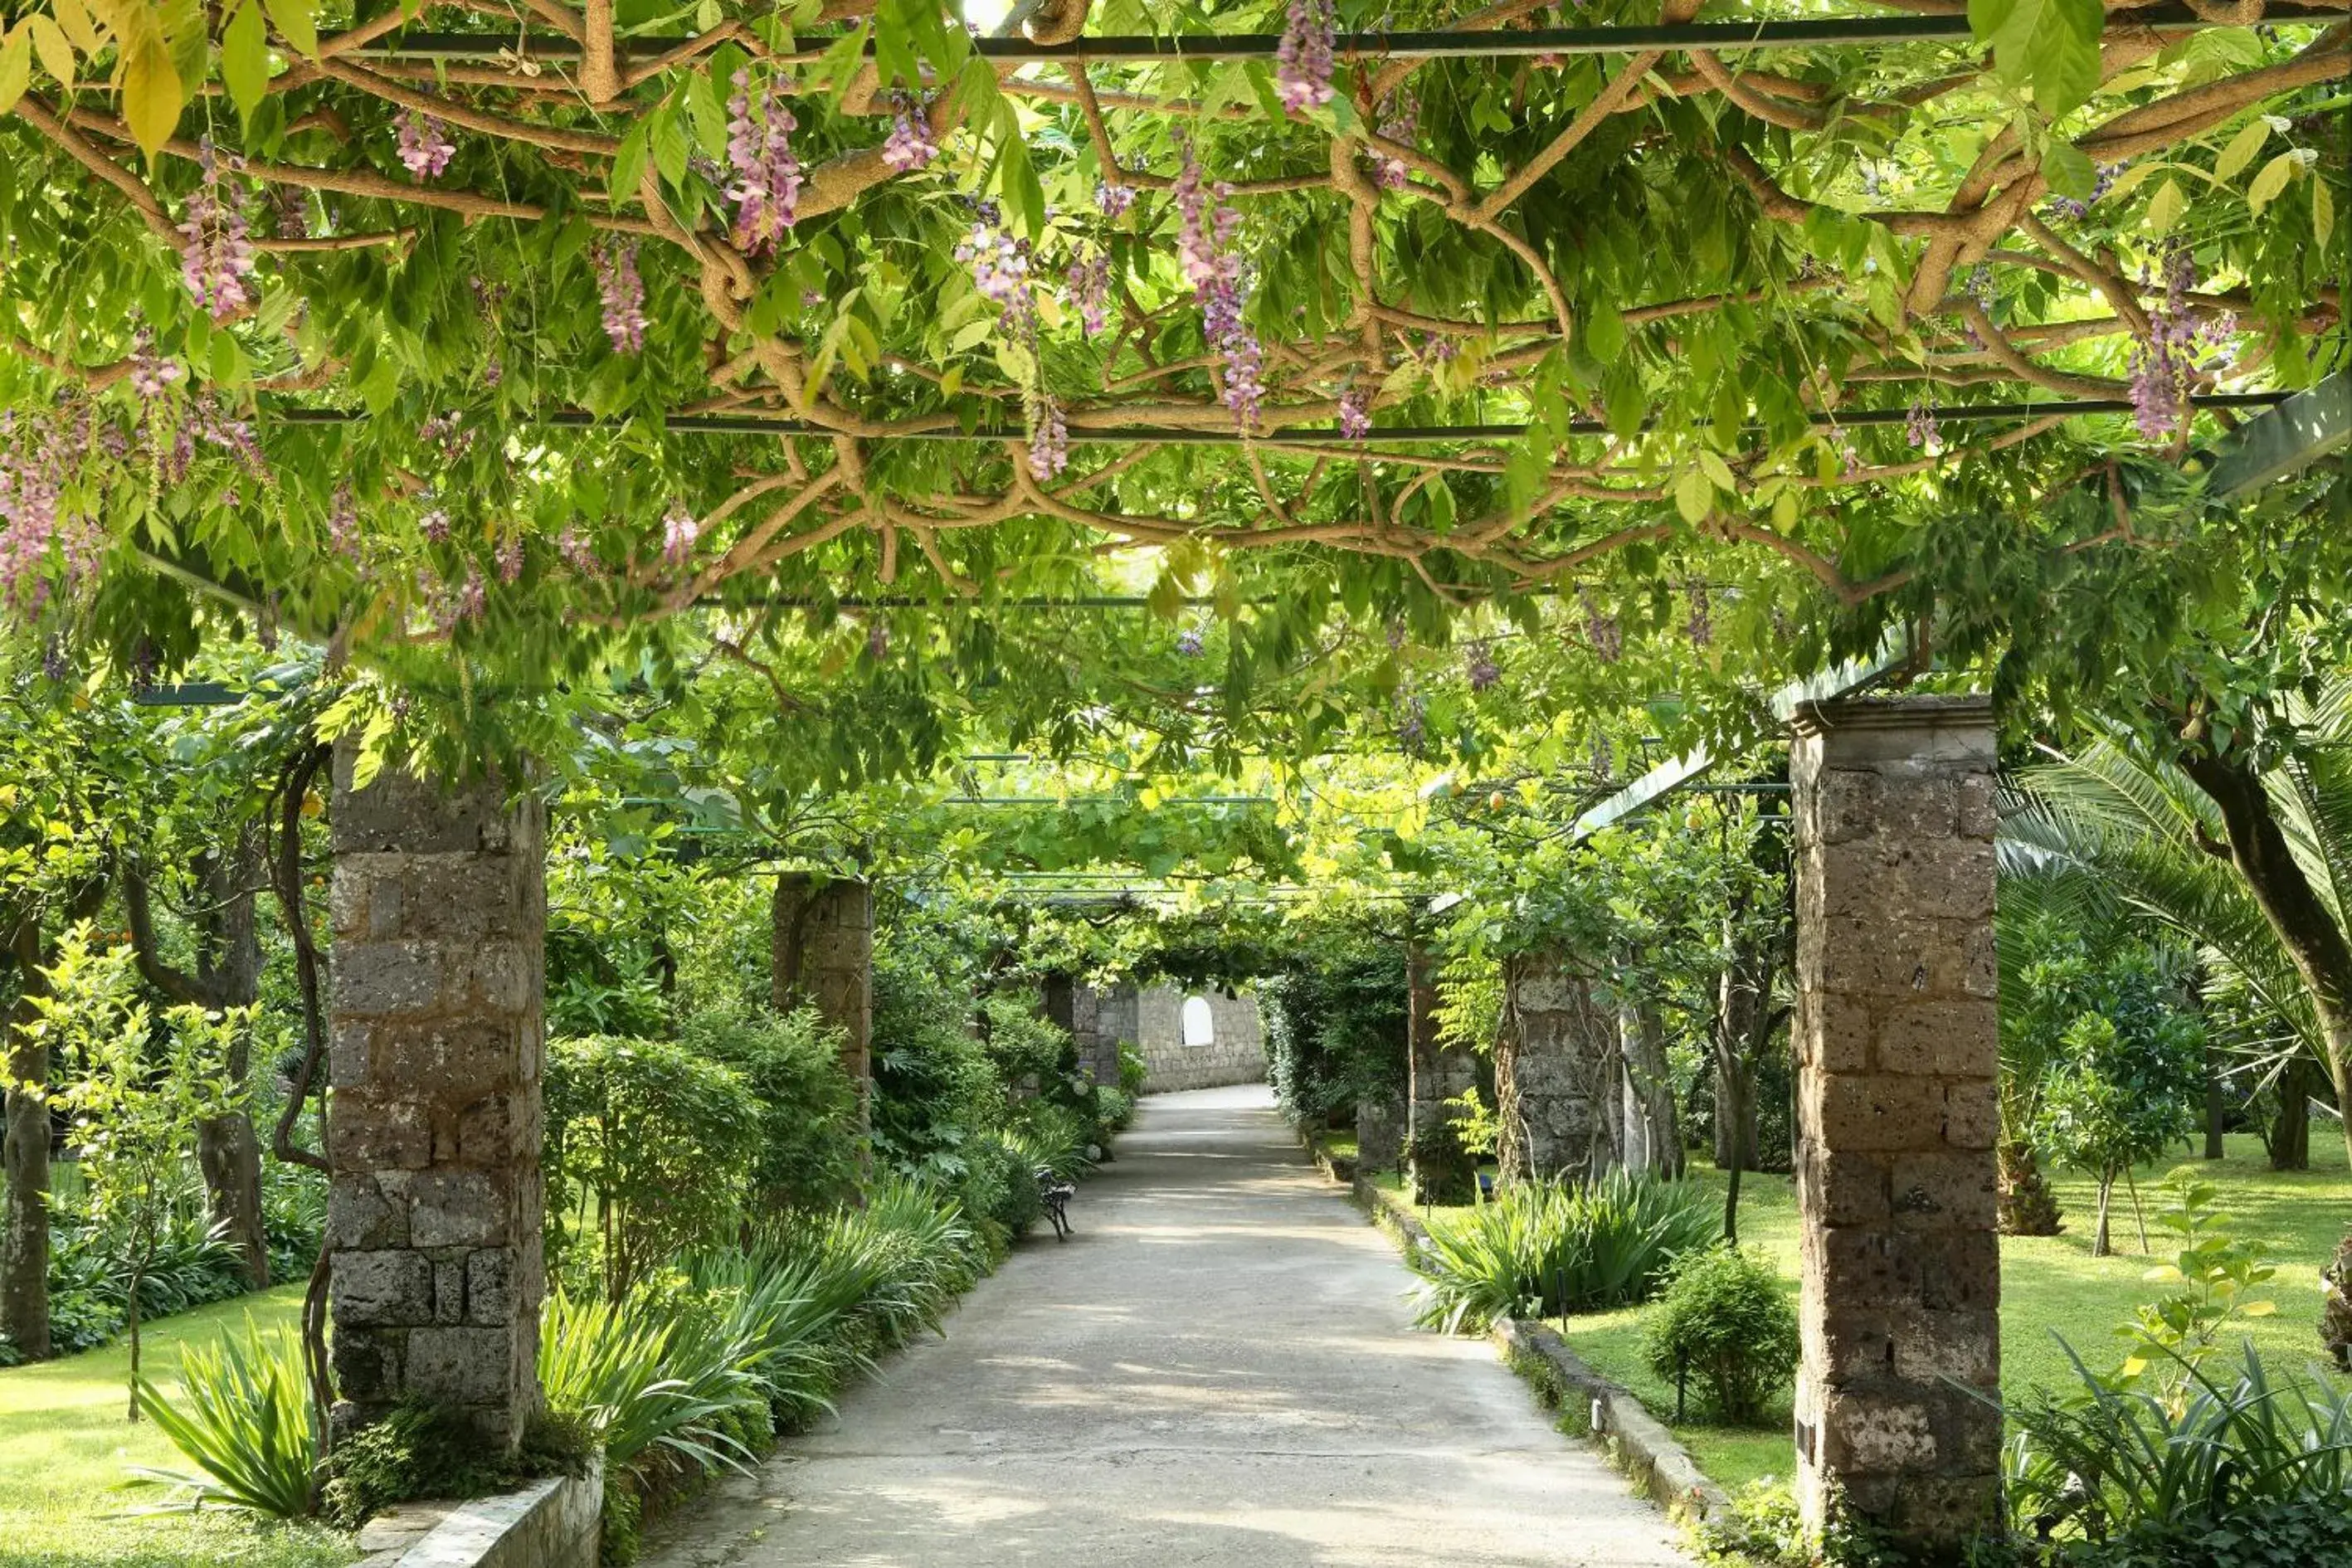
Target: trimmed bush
1547	1248
1725	1322
806	1153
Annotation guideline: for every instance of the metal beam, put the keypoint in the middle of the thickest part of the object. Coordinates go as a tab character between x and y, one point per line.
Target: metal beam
1462	43
2298	433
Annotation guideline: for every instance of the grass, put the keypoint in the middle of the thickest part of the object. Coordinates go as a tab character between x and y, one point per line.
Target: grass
2051	1286
65	1448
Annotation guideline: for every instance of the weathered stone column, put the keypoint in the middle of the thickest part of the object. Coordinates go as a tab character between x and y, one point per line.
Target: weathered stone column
1379	1133
434	1197
1440	1172
822	953
1897	1045
1547	1069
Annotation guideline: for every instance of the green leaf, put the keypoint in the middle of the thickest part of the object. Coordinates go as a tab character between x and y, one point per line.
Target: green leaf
2164	209
1693	495
670	147
15	69
1604	334
292	18
2242	149
2051	46
629	161
51	47
2323	213
1718	471
152	94
2271	181
2068	169
245	57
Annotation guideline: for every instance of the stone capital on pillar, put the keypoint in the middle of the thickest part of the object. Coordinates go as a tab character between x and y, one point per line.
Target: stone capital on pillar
1897	1038
435	1200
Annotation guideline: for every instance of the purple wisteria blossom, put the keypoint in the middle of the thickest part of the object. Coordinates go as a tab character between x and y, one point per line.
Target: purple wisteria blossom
1112	199
1606	637
1049	436
767	189
1699	626
909	146
1479	664
1212	265
1190	642
623	293
215	253
424	145
1089	287
1355	415
1400	119
1920	430
1302	62
679	531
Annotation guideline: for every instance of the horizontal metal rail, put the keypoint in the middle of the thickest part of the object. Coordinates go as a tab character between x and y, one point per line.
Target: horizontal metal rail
1464	43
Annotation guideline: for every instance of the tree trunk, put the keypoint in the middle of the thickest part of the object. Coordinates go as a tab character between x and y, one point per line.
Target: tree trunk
137	1277
2099	1236
227	974
25	1230
1650	1113
1738	1011
2025	1203
2291	1128
2216	1108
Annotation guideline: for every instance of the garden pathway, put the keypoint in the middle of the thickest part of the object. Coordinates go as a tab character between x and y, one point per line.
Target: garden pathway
1215	1370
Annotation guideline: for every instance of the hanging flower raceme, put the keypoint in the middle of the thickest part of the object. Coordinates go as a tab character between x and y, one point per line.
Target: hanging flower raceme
1112	199
910	146
1920	430
32	461
215	254
435	525
1355	415
1302	62
1479	664
1049	436
999	270
150	373
1210	263
679	531
1190	642
1400	119
1700	626
623	293
1089	285
424	145
767	189
343	523
1608	640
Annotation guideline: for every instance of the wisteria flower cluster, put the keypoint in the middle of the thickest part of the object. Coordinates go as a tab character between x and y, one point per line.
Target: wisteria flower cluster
424	145
1049	434
1302	62
1190	642
1699	627
2163	361
1212	265
1355	415
33	460
1602	630
216	251
343	523
679	531
623	293
1400	119
1112	199
1089	285
2067	206
1920	430
150	373
909	146
767	189
1479	664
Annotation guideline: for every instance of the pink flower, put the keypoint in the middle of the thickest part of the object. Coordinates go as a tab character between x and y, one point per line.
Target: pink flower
1355	415
767	189
216	256
1302	62
623	295
679	531
424	145
909	146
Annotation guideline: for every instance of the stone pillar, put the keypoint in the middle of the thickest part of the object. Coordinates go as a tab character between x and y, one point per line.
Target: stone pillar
1550	1061
435	1194
1440	1172
822	954
1379	1133
1897	1046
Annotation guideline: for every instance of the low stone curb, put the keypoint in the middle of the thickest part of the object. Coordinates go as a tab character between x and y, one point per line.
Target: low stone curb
1636	1440
551	1523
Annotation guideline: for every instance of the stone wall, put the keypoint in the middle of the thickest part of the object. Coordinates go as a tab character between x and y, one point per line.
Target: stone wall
1099	1021
551	1524
1236	1052
437	1052
1897	1045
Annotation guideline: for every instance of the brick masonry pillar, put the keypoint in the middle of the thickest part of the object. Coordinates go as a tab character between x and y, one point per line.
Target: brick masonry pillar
1439	1171
1550	1070
822	954
1897	1047
435	1194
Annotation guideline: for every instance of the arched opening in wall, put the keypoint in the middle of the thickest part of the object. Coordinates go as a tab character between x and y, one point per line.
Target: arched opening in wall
1200	1023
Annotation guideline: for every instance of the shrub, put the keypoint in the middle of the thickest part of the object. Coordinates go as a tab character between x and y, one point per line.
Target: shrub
791	1063
245	1418
1132	1071
1114	1108
1726	1320
663	1140
1559	1246
422	1450
293	1217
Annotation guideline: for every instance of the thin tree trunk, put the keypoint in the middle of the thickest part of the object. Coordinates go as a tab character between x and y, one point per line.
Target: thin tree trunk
2139	1212
1653	1084
25	1230
138	1275
2216	1108
2099	1236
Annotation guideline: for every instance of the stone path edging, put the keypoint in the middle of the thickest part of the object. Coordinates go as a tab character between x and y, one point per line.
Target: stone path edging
1637	1442
549	1523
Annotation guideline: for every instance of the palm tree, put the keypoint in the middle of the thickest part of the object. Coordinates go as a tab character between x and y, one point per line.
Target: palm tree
2250	861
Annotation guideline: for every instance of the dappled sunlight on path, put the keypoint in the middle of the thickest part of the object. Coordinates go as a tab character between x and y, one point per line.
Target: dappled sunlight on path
1216	1369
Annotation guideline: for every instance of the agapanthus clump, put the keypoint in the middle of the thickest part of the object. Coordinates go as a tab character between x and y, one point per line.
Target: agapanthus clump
1089	287
909	146
679	531
623	293
1479	664
767	189
216	251
1112	199
1400	119
1302	62
424	144
1355	415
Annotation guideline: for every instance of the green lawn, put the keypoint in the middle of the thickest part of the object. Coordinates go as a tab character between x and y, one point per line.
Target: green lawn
65	1445
2050	1285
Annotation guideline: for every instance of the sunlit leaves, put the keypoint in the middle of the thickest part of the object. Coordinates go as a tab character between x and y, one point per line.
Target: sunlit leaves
2050	46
